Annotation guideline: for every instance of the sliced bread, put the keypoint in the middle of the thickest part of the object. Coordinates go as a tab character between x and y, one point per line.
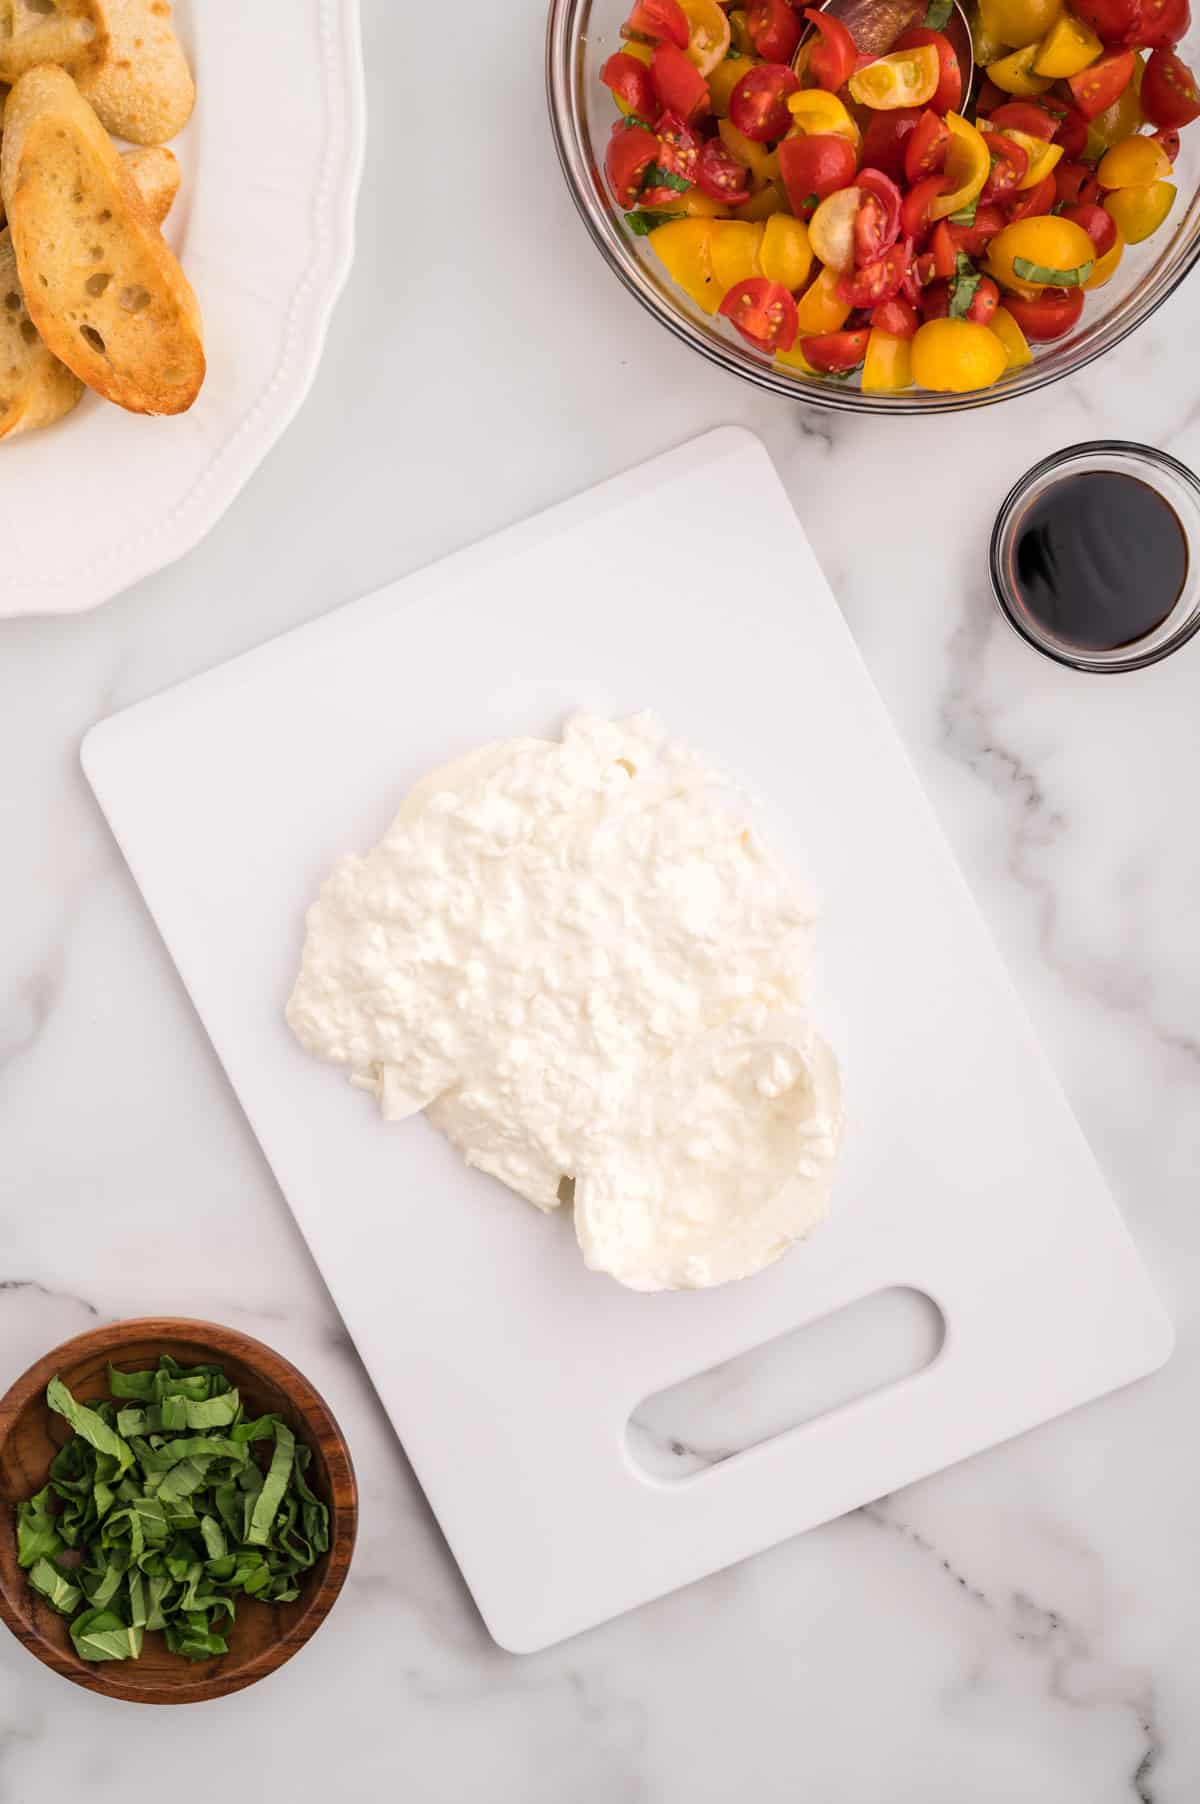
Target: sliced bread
70	33
105	292
141	88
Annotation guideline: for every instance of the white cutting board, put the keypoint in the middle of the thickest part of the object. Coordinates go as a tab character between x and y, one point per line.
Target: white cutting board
508	1369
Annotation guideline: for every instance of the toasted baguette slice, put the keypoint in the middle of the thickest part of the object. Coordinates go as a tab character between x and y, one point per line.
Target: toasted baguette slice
104	291
35	388
141	87
72	34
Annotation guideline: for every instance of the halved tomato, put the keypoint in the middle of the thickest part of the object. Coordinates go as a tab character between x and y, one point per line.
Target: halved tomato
1100	226
1029	202
659	21
1074	182
877	226
878	280
1168	137
1116	22
763	312
915	220
679	84
885	139
1072	132
925	151
832	60
676	156
974	239
720	175
836	352
896	316
1096	88
984	301
814	167
947	96
1009	166
774	29
758	105
935	300
630	153
1047	315
1170	96
631	84
1163	23
1025	116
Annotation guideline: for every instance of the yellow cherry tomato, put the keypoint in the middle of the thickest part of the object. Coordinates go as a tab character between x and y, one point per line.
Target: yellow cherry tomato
831	228
739	31
1018	22
1119	121
1134	163
734	248
1014	73
796	360
786	255
1068	48
684	247
815	112
1016	345
708	33
1040	157
723	80
763	205
1048	240
693	205
988	49
821	308
968	165
1140	211
1106	266
762	163
641	53
954	355
887	365
901	78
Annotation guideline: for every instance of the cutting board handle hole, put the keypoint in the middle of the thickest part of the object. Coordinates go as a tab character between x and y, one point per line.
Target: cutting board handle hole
864	1347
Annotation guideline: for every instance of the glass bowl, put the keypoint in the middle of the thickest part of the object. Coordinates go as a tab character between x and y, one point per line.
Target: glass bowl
582	34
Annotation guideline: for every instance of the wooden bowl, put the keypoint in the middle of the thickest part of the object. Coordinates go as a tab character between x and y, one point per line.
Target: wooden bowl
264	1635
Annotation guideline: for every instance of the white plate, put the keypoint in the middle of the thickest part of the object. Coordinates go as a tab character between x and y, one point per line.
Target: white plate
508	1368
264	225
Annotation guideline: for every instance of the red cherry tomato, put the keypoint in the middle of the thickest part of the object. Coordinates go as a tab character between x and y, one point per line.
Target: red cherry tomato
720	175
774	29
935	300
1163	23
836	351
661	21
1031	201
1169	139
630	153
758	104
915	222
1100	227
1025	116
885	138
1169	93
897	317
679	84
1116	23
763	312
984	301
832	61
943	249
677	150
1074	182
989	97
1047	315
814	167
947	96
1072	133
925	152
1010	166
974	239
1095	89
630	82
883	227
878	280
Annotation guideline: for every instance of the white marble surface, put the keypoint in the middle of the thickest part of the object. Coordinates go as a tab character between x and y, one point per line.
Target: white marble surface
1023	1627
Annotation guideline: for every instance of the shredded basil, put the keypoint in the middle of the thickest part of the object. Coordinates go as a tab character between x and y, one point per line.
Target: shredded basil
964	284
638	124
937	14
644	221
658	177
966	215
168	1514
1025	271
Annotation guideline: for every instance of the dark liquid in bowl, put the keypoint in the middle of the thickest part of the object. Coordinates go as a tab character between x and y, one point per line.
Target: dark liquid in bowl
1099	559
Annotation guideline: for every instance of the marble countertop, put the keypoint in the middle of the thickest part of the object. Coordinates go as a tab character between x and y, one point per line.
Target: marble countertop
1021	1627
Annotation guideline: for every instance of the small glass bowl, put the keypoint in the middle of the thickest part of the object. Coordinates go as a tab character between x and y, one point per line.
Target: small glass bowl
1167	477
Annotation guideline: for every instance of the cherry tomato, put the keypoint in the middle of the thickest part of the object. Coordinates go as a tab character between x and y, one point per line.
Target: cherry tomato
1031	201
885	138
1169	139
1163	23
1169	93
774	29
947	96
1096	88
989	97
630	153
878	280
935	301
984	302
1075	182
720	175
1072	133
661	21
1116	23
896	316
943	250
1047	315
813	168
679	84
758	105
1025	116
676	150
1010	165
630	82
915	222
1100	226
883	228
833	60
836	351
974	239
763	312
925	152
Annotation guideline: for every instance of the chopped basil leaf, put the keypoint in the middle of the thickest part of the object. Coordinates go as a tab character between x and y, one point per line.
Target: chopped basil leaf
638	124
642	222
965	215
937	14
657	177
964	284
1026	271
812	200
56	1588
